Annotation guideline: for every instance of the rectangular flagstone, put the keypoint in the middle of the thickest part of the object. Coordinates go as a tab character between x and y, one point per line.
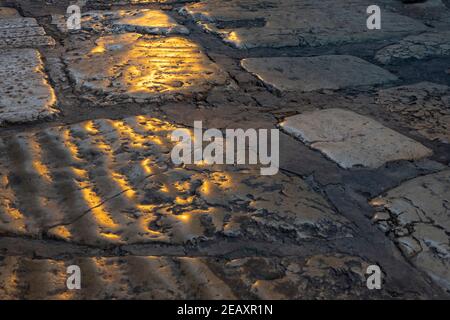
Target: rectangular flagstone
315	73
352	140
25	94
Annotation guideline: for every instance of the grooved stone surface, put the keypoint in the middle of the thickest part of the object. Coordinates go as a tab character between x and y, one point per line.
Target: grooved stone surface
315	73
109	182
155	277
419	211
130	66
25	94
351	139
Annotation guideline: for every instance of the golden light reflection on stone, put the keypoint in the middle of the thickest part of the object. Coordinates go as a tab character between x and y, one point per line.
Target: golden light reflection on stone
144	67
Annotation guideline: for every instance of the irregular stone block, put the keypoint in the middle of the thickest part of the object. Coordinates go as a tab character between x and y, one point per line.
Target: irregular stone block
129	66
25	94
351	139
315	73
246	23
425	45
424	107
422	206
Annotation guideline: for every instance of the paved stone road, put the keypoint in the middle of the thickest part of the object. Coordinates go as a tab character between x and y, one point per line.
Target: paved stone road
86	176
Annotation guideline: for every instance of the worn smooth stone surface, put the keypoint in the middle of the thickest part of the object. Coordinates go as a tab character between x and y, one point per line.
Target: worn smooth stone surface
422	206
25	94
425	45
252	23
351	139
129	66
423	107
315	73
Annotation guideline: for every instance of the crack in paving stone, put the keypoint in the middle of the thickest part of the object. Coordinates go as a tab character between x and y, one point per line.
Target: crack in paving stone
425	45
424	107
418	221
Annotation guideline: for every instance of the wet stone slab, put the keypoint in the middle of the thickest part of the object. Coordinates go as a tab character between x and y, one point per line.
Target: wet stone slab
25	94
155	277
425	45
418	217
252	23
352	140
108	182
19	32
143	21
424	107
316	73
131	67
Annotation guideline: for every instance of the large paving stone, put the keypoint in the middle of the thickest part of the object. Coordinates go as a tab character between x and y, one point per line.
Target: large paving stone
333	276
423	107
25	94
19	32
351	139
315	73
425	45
129	66
252	23
139	20
419	219
109	182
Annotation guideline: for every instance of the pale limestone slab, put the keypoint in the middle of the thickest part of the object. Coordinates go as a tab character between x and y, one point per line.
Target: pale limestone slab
19	32
316	73
425	45
25	94
245	23
351	139
420	208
